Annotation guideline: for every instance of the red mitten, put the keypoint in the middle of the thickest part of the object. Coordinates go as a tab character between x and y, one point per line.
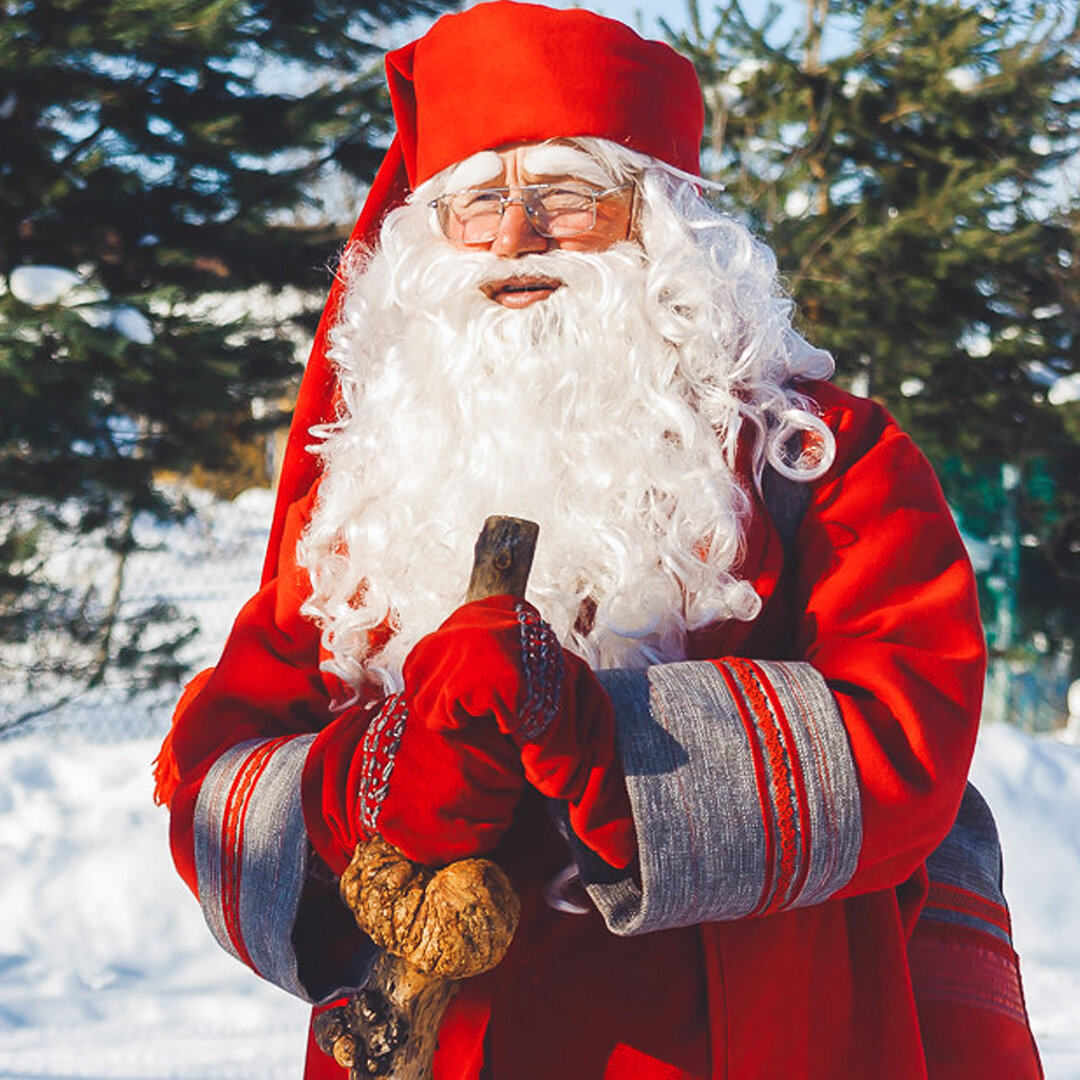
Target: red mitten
437	793
496	660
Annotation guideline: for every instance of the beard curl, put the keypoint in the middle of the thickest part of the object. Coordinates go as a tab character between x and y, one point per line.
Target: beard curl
607	413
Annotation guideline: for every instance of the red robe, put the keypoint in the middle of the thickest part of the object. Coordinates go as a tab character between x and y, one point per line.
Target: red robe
851	705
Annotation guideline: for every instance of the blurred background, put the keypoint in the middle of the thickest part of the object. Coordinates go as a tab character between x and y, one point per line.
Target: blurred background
176	180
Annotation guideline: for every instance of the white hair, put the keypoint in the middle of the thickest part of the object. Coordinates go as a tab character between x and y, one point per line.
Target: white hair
612	413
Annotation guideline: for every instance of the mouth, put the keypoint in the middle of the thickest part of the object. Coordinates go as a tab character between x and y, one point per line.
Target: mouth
520	292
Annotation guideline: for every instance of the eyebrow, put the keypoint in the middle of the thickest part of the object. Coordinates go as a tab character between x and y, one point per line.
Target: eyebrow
477	169
559	159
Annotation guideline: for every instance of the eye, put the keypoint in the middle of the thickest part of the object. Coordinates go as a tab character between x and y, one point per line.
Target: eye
478	199
562	199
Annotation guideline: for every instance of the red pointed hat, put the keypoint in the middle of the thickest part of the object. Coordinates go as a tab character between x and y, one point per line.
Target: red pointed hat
497	74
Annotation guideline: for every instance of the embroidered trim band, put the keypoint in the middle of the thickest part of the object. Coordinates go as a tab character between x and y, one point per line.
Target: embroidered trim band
380	746
744	792
251	853
542	660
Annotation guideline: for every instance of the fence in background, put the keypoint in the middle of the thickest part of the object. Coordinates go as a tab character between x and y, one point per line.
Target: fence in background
209	566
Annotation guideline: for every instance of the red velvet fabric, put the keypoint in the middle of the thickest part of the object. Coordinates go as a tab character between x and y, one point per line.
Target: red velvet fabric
504	72
972	1014
462	758
473	668
450	792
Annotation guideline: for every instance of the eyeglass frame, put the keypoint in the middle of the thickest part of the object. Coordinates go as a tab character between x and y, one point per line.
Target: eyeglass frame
505	200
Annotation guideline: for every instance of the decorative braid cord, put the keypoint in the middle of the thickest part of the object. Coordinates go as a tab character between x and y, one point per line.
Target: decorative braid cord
542	662
380	747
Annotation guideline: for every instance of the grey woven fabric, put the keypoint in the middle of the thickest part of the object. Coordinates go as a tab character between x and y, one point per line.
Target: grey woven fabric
744	793
969	858
251	853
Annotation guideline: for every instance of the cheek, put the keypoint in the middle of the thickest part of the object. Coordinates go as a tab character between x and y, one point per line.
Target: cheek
452	233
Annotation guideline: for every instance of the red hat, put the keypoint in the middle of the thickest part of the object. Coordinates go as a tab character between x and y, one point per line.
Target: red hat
505	73
497	74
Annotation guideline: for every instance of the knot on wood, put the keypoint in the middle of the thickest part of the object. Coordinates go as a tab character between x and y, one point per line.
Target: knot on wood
454	923
365	1035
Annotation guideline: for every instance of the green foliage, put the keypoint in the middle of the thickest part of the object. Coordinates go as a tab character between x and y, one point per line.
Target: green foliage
165	157
909	161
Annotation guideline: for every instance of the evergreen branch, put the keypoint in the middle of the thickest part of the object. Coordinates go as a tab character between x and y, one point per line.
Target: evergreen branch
82	144
822	242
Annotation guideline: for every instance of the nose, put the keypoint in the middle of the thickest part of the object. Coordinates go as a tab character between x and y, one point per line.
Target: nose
516	235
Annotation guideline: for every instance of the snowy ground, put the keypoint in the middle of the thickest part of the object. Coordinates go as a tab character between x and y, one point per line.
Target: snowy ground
1033	786
108	973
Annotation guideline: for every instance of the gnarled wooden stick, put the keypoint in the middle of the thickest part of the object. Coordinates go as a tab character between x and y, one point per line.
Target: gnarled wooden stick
503	557
435	927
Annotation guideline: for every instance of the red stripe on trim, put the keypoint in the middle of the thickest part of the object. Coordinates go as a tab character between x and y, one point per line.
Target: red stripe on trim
778	762
953	898
947	931
760	778
966	973
232	838
794	763
822	768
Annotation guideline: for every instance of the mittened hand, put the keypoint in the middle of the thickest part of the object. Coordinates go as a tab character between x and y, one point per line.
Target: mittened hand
474	666
437	793
495	661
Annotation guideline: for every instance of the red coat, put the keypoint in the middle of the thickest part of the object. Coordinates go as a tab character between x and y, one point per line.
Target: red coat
873	597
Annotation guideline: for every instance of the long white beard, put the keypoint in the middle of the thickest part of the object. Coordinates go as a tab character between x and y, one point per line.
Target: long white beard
573	412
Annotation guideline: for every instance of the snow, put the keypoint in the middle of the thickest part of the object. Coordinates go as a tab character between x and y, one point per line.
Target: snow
106	967
131	323
963	79
107	971
43	285
1033	786
1065	390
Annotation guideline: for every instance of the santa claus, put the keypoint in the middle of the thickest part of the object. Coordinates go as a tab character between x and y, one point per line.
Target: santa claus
741	695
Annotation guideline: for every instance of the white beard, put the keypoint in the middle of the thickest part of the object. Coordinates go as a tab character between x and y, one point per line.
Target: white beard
573	412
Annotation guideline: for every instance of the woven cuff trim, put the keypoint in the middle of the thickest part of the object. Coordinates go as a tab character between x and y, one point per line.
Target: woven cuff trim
543	665
965	874
743	788
980	975
379	749
251	854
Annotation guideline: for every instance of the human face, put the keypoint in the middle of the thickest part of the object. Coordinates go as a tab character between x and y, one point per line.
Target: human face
534	163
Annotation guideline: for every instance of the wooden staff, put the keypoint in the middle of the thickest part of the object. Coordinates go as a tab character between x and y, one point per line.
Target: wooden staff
434	927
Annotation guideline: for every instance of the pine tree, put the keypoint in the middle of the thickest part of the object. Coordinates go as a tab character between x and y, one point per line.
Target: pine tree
159	161
906	160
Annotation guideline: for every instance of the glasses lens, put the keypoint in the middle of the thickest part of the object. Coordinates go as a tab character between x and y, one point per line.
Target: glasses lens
473	216
561	211
477	213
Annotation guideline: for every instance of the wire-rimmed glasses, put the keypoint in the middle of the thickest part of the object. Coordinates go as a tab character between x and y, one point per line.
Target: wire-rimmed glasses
556	211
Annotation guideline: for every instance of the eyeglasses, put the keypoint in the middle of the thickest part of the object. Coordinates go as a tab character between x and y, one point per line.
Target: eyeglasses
556	211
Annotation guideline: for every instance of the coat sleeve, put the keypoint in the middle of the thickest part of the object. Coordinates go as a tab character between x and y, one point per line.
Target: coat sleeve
761	785
243	773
